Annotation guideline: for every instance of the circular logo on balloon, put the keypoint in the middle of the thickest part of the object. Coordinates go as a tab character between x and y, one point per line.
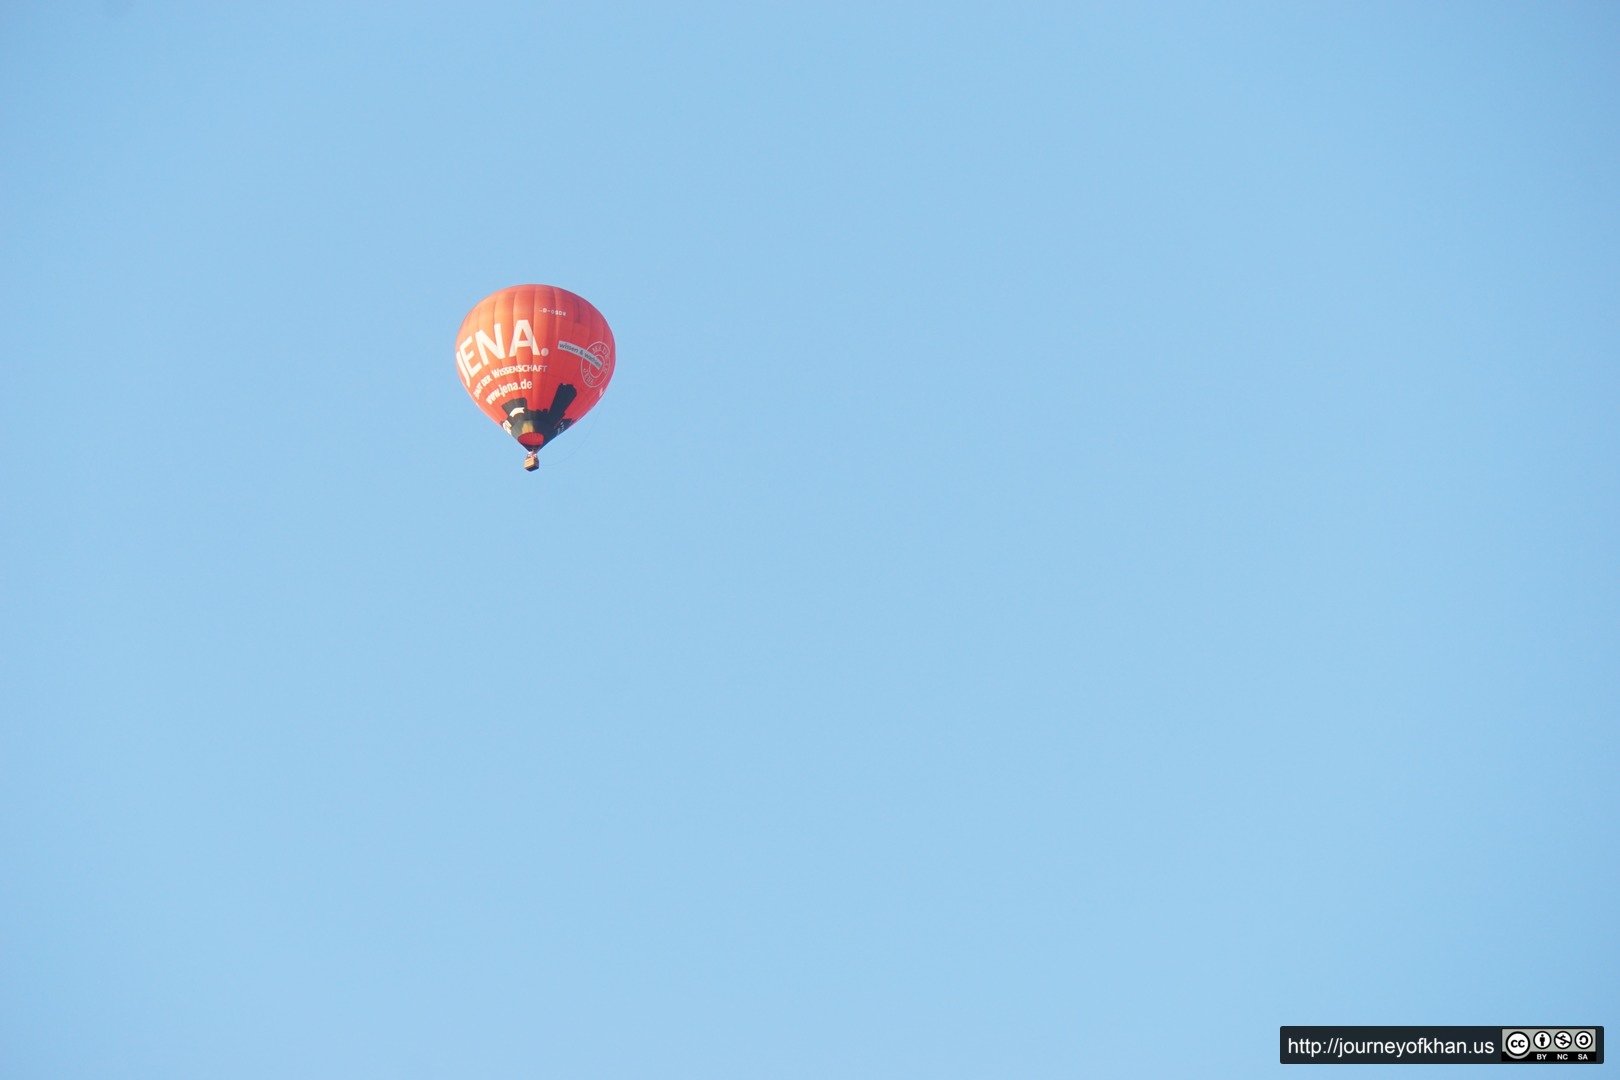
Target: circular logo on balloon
598	366
595	363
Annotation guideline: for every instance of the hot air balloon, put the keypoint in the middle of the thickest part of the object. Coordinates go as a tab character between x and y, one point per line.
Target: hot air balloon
535	358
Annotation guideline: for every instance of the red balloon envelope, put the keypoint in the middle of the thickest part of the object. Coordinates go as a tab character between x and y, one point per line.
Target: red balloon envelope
535	358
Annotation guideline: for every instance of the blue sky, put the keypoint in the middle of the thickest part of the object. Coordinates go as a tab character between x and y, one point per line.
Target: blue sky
1102	540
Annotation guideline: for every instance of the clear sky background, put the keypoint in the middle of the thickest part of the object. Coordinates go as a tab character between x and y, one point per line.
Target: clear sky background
1104	538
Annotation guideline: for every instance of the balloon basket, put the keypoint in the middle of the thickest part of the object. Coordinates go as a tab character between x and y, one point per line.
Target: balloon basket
531	463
